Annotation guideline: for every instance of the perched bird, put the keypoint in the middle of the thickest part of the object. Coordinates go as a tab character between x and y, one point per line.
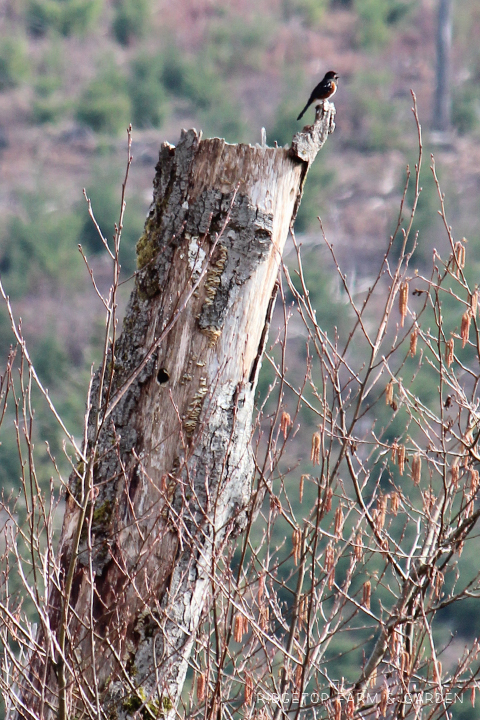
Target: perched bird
324	90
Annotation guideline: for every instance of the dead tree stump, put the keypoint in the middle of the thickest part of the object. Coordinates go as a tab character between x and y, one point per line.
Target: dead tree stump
172	468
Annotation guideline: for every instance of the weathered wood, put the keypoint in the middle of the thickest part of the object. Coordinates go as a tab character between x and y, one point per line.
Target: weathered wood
173	464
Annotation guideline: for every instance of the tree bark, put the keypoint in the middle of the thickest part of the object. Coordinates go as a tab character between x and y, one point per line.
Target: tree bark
170	429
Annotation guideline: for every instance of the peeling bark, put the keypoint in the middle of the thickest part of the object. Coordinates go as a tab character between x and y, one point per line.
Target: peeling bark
173	465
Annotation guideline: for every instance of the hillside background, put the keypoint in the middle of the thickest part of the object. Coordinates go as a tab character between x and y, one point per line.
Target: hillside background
74	73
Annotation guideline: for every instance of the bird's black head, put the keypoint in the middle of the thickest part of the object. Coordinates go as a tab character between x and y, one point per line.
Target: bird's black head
331	75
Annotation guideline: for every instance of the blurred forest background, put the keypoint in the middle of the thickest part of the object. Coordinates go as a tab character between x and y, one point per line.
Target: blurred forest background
74	73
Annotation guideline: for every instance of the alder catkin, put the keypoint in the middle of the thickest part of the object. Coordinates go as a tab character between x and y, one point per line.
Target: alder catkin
248	688
449	351
328	500
394	645
403	302
298	676
473	477
337	709
383	702
302	483
263	617
315	453
459	255
330	564
381	512
367	594
416	468
437	672
455	474
413	342
261	588
474	302
465	326
405	663
358	549
394	453
297	544
401	458
201	687
439	580
394	502
238	628
285	424
389	393
339	518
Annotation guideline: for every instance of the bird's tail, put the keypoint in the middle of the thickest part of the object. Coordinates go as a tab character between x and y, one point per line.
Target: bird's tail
303	111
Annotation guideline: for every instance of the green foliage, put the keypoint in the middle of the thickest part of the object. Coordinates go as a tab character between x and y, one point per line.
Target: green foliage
14	65
239	44
294	93
285	120
315	195
375	17
47	85
48	109
311	11
51	63
45	350
10	470
67	17
223	118
39	248
104	194
372	27
147	92
374	114
6	337
466	109
324	289
200	83
175	71
197	82
427	223
104	104
320	178
50	103
203	86
131	20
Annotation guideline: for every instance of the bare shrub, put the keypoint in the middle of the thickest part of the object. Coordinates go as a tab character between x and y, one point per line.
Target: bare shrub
331	601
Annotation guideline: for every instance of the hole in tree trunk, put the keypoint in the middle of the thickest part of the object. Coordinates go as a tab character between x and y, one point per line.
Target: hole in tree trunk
163	376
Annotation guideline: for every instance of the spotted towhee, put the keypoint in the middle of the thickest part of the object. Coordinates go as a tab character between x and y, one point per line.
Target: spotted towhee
324	90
